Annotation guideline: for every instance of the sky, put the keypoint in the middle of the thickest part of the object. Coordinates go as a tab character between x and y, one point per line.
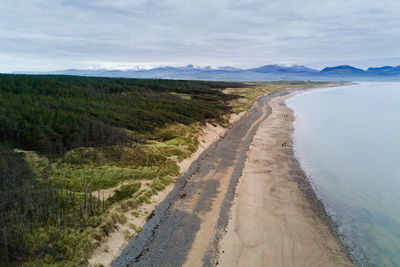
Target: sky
44	35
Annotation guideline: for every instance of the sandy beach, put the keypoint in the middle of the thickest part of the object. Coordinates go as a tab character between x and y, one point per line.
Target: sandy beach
272	222
243	202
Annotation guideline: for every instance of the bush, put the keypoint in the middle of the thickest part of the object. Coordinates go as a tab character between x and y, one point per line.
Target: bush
124	192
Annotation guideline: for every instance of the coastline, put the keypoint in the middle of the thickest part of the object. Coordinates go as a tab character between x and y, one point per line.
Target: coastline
271	174
315	203
304	184
188	224
194	228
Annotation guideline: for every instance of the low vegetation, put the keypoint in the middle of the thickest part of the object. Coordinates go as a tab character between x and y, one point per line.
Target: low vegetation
63	139
256	89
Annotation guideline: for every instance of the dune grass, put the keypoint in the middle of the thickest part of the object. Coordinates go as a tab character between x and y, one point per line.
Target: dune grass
247	96
72	136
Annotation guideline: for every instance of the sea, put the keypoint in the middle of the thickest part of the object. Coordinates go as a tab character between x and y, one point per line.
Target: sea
347	140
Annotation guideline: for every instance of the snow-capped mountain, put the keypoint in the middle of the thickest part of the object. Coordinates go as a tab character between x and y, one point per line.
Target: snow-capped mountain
228	73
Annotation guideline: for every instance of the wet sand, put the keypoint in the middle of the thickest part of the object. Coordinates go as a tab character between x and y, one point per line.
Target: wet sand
276	219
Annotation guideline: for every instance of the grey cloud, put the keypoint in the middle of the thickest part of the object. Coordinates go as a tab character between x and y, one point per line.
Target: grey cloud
49	34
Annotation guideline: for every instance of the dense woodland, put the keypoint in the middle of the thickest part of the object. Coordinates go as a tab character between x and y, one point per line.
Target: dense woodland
53	114
44	211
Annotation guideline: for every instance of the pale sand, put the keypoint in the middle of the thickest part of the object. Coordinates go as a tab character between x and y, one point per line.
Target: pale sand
112	246
208	135
210	218
271	222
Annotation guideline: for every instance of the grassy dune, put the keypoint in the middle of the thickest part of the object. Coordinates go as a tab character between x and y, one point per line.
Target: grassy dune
63	138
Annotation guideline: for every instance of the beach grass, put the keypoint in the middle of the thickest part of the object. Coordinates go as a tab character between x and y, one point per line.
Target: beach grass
71	137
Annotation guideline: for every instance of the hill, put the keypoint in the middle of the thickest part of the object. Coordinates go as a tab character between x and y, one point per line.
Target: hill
343	69
283	69
386	70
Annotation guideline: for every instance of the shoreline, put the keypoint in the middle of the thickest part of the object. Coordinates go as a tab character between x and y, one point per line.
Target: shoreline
200	242
304	184
189	222
238	237
316	204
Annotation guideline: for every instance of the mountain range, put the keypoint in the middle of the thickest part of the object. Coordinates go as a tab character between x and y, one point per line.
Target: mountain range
263	73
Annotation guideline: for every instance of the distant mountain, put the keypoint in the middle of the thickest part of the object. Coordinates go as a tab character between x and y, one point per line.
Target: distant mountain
192	68
342	70
386	70
183	68
283	69
228	73
228	68
80	72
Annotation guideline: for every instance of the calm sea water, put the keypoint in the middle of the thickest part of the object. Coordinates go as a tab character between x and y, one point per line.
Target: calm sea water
347	140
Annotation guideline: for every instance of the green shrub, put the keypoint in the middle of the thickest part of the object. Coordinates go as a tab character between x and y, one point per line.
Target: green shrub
125	191
50	245
101	177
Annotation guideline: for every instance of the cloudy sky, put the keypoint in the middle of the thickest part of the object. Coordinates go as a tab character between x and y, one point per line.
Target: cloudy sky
40	35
